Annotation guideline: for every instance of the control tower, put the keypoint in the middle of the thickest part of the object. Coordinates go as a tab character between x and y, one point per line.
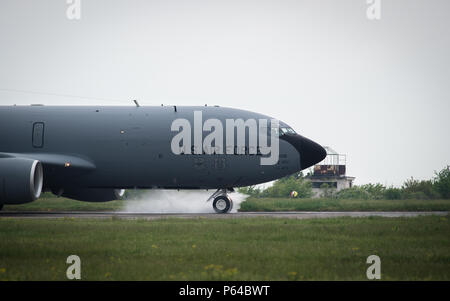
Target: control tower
331	171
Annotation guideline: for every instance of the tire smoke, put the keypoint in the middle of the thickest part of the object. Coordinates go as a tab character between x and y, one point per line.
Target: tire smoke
174	201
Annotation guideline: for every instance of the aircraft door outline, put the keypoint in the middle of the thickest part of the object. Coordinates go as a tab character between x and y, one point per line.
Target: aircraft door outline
38	135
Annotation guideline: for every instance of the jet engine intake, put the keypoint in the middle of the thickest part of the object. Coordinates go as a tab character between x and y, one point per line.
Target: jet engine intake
21	180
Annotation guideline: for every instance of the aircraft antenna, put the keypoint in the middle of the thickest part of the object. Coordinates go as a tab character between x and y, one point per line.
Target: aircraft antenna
136	102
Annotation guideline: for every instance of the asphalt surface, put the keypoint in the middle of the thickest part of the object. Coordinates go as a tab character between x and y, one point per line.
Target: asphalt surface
151	216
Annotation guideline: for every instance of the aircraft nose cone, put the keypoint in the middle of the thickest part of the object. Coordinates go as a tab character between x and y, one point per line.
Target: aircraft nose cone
310	151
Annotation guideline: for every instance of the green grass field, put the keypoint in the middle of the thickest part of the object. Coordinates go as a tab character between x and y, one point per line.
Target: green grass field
50	203
63	204
287	204
226	249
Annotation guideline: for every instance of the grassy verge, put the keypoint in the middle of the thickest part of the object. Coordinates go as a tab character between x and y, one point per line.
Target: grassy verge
287	204
63	204
252	204
230	249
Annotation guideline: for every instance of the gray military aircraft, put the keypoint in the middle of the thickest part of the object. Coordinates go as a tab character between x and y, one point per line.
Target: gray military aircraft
93	153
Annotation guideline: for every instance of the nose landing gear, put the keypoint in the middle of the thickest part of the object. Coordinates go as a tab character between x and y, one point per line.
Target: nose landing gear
222	202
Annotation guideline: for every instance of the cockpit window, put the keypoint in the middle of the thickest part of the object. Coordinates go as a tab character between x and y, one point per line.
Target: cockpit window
286	130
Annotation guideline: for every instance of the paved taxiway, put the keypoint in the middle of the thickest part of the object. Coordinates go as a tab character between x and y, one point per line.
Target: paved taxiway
151	216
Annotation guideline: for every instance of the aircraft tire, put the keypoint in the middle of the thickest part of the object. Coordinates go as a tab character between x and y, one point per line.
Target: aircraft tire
1	206
222	204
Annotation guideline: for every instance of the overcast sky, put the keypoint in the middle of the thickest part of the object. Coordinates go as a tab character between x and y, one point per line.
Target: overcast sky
376	90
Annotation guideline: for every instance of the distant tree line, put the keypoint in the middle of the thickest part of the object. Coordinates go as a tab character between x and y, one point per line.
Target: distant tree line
436	188
282	188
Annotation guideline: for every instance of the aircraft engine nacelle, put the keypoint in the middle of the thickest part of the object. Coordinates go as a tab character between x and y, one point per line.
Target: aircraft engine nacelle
21	180
93	195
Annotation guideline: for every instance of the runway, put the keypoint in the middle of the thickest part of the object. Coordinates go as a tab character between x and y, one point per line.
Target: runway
153	216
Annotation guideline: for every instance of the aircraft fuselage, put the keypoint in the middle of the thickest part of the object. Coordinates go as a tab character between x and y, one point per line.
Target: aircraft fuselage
127	147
